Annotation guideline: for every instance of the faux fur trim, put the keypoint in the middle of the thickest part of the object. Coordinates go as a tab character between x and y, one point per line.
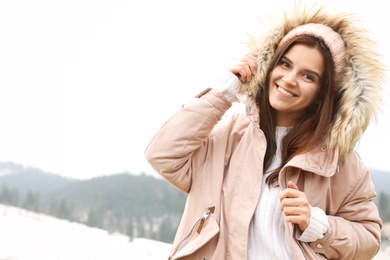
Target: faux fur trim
361	84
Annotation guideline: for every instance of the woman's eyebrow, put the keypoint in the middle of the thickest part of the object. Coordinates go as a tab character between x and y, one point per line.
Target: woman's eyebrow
306	70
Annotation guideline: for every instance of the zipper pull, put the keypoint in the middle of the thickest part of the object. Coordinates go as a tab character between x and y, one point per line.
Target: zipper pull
204	217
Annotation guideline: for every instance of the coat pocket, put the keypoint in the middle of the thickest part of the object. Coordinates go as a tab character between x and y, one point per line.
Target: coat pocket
203	230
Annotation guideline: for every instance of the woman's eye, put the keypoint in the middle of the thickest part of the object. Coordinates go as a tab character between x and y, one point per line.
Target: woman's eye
284	64
309	77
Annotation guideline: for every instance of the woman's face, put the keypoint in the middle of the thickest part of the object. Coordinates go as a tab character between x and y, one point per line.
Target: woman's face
295	82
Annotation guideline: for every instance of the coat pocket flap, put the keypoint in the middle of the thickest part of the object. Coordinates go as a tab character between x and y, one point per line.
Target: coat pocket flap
209	230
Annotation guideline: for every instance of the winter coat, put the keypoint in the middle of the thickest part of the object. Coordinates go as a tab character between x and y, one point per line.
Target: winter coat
218	161
221	170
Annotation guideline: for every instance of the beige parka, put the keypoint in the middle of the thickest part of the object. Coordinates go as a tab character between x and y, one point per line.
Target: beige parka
218	160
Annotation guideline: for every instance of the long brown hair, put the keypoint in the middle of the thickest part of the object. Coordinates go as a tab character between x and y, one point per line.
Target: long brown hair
310	129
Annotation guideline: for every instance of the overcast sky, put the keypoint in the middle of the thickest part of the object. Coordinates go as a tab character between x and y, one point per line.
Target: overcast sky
85	84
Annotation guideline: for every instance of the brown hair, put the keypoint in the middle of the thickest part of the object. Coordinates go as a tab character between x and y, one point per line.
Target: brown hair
310	129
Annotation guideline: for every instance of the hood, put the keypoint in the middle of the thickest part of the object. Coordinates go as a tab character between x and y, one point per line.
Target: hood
362	81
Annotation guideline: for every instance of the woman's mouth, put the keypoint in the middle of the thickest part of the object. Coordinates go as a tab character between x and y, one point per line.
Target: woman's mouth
284	92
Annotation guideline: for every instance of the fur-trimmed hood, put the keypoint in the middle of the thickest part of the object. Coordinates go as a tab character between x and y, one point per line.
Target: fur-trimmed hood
363	79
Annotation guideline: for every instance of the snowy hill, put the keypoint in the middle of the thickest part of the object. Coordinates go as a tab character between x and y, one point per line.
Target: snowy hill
30	236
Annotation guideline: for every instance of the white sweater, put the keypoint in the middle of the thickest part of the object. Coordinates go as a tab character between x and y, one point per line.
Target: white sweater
267	238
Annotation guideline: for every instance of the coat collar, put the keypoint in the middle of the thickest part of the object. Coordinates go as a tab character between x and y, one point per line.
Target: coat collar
319	161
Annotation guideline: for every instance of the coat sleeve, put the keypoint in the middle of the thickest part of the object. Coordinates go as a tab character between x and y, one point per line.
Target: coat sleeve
355	229
180	147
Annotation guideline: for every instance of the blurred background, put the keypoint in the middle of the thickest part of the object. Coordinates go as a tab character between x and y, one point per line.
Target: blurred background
85	85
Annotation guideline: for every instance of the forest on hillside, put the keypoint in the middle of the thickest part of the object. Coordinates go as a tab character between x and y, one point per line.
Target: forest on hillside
135	205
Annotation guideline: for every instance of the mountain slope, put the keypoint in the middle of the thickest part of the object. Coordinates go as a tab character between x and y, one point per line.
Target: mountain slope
24	178
27	235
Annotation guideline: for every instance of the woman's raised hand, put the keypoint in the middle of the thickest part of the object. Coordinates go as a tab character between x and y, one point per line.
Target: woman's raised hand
246	68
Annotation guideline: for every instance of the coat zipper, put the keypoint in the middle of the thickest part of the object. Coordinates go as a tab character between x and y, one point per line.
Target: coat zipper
198	227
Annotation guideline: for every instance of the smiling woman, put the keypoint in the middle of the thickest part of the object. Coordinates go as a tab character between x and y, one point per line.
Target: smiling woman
280	179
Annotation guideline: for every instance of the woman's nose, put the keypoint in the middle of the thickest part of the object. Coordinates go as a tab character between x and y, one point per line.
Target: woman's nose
290	79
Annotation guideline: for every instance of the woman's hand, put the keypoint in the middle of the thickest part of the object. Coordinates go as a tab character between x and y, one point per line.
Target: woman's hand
295	206
246	68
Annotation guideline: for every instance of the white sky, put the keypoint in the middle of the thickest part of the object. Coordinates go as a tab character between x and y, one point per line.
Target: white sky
85	84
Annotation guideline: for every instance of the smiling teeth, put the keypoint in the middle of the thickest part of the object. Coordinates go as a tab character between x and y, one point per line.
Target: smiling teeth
282	90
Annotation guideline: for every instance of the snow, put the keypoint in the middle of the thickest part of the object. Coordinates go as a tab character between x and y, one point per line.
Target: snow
27	235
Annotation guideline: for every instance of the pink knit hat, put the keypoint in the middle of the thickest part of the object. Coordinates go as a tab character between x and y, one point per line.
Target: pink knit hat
331	38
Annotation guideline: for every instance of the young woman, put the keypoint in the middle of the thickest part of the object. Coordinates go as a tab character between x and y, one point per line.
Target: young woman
280	180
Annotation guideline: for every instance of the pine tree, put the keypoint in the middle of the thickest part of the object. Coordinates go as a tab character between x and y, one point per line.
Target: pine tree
31	201
130	228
